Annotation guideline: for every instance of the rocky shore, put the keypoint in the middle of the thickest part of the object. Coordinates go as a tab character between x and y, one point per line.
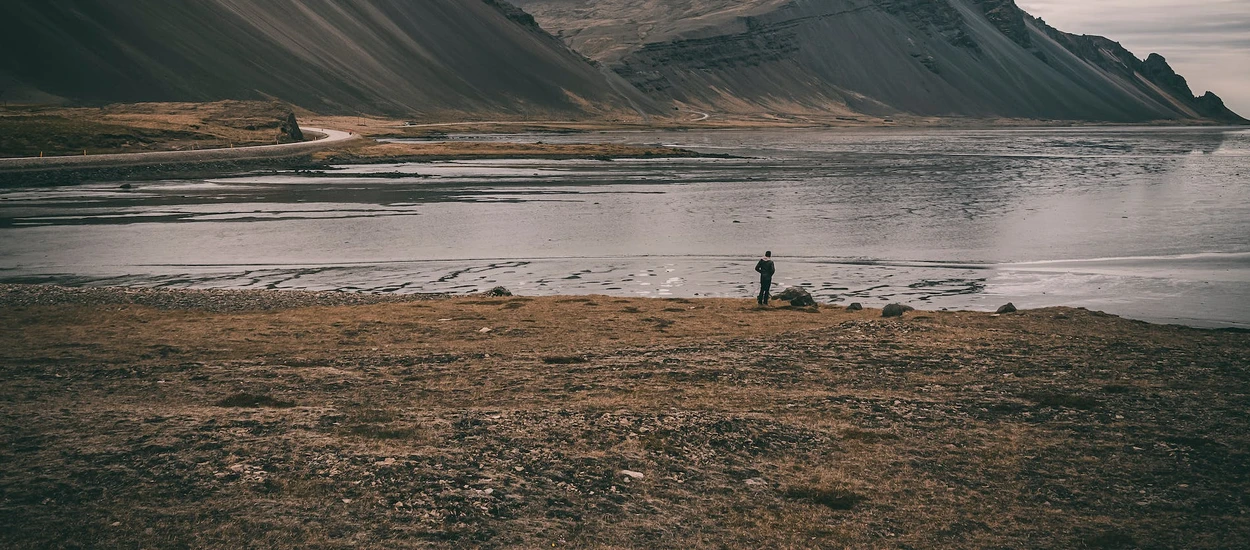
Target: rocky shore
223	419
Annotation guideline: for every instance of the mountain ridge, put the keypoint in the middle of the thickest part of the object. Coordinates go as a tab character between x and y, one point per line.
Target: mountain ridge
389	57
604	59
960	58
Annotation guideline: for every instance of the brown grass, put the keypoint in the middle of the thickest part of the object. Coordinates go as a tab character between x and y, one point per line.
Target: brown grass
248	400
27	131
753	428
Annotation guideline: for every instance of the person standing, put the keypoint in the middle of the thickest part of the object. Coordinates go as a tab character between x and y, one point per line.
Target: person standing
766	270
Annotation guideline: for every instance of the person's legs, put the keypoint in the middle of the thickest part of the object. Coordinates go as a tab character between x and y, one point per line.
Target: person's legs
765	291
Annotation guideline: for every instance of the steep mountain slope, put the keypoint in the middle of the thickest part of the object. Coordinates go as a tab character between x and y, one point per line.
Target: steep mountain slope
334	56
978	58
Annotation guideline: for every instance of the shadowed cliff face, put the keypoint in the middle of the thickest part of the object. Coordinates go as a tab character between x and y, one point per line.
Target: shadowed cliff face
979	58
372	56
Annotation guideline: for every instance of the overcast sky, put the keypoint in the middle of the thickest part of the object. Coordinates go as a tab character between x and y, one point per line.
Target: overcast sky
1206	41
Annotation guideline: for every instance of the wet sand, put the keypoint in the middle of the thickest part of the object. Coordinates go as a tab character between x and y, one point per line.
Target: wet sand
221	419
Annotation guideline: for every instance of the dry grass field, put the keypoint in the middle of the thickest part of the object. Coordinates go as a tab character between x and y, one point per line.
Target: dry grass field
202	419
27	131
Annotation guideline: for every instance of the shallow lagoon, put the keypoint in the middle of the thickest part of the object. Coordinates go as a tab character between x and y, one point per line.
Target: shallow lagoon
1148	223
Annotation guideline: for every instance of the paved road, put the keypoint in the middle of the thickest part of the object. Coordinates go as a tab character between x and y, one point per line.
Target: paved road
700	116
490	122
330	138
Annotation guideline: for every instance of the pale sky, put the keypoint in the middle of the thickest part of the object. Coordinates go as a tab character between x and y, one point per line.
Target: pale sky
1206	41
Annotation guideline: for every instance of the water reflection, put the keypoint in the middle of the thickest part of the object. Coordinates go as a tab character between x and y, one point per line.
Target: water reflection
929	217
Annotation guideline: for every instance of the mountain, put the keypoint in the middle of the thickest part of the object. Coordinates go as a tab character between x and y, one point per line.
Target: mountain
398	57
967	58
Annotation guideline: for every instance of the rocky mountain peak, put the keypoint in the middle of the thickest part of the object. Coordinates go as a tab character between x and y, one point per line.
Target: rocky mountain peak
1009	19
1157	69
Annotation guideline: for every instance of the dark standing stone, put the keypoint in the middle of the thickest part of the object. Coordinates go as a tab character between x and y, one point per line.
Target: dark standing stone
290	128
1009	308
855	306
896	310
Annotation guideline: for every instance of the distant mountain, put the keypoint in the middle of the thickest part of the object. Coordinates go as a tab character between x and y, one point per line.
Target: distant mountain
969	58
396	57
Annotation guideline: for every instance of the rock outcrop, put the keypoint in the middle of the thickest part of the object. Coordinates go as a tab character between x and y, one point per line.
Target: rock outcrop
290	128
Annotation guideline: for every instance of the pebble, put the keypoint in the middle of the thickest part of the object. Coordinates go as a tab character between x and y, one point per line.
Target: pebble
632	474
485	330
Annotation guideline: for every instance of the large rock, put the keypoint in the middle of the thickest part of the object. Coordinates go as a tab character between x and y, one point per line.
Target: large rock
797	297
497	292
896	310
1009	308
290	128
855	306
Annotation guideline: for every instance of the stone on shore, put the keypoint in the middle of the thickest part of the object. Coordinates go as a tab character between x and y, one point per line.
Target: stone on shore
1009	308
896	310
797	297
497	292
855	306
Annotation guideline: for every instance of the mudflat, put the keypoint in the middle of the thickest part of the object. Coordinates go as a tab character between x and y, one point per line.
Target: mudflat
225	419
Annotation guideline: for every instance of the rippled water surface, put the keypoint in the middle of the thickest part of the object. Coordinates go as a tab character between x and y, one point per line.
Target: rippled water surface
1148	223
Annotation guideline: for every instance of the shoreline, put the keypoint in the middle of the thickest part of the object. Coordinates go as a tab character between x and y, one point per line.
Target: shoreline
222	300
609	422
52	176
363	148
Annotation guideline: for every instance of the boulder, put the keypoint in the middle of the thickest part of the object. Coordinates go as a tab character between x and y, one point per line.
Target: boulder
855	306
797	297
1009	308
290	128
497	292
896	310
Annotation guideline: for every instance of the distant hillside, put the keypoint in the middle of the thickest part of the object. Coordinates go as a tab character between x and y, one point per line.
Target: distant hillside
334	56
972	58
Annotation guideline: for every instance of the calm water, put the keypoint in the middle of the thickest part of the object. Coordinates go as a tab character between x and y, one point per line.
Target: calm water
1148	223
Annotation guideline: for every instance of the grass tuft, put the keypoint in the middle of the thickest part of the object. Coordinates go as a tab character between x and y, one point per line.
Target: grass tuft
249	401
1062	400
832	498
563	360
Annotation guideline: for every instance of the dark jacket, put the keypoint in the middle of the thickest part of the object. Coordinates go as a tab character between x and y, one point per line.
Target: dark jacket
765	268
